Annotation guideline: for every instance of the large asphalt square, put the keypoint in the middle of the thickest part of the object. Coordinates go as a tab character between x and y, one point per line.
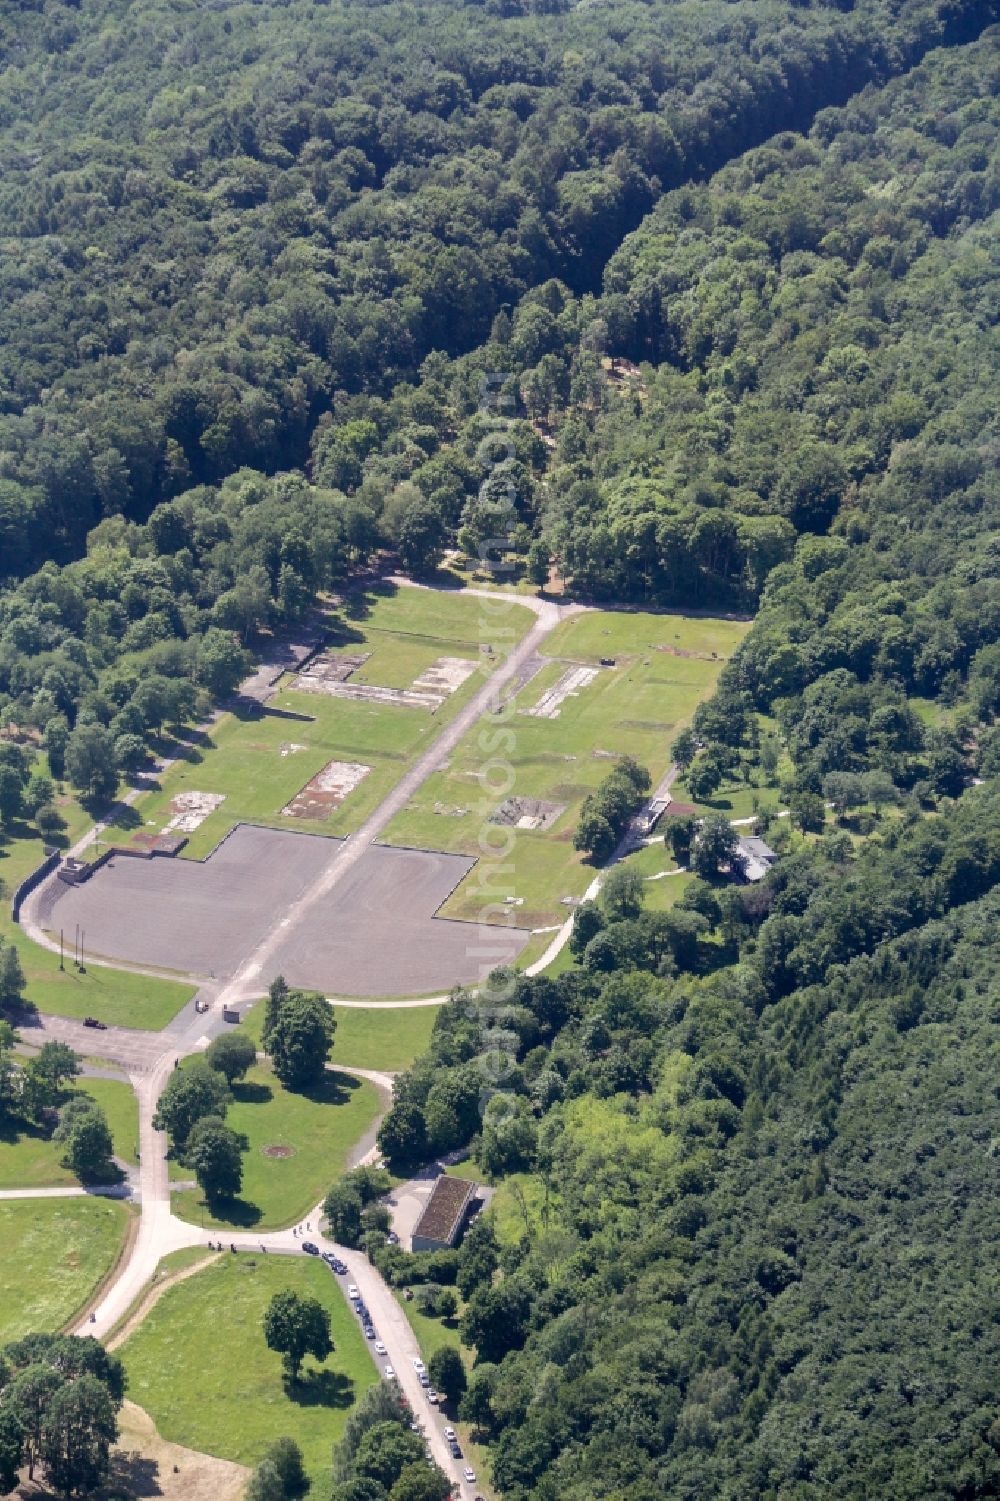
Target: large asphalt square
374	934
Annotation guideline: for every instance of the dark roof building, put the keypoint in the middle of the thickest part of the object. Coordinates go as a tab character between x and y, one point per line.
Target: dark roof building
444	1214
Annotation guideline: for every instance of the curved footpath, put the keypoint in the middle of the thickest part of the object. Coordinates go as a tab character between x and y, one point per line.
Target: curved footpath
151	1057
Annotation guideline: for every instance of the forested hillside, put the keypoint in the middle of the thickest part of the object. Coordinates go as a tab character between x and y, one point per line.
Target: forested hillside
218	219
730	272
759	1196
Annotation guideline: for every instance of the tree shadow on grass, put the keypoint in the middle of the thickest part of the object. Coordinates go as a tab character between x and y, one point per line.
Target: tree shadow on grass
239	1213
334	1089
19	828
321	1388
14	1130
444	578
249	1093
127	817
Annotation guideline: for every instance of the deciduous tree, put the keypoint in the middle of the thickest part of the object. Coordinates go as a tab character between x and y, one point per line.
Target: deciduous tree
297	1326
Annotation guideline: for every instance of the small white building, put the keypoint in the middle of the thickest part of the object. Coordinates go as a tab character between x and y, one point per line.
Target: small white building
757	857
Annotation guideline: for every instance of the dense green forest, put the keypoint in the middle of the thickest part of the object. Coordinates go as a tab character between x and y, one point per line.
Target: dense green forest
812	322
218	222
730	272
761	1180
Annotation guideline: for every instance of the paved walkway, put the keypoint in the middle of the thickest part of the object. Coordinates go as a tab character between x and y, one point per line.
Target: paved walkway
43	1193
151	1057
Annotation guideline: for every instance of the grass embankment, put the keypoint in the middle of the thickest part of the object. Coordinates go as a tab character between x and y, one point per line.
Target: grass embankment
55	1252
199	1366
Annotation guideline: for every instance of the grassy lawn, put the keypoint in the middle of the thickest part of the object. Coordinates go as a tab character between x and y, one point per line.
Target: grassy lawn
320	1127
564	960
259	762
387	1039
113	996
117	1099
55	1251
733	798
664	666
380	1038
433	1333
654	863
613	633
29	1158
199	1366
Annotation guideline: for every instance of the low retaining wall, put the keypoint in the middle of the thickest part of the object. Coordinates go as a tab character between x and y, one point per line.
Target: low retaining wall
29	883
76	871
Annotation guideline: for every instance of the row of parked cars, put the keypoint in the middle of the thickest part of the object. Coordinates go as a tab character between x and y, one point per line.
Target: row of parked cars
370	1332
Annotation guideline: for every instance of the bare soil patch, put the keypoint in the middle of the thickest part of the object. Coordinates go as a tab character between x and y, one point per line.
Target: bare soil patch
326	790
277	1151
146	1464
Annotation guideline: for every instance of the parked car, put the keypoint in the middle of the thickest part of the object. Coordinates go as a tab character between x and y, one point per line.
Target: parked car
379	1348
450	1434
456	1452
418	1364
309	1248
425	1380
470	1475
392	1238
389	1373
92	1021
339	1267
352	1292
432	1395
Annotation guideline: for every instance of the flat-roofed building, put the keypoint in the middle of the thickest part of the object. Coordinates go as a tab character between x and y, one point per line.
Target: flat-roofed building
444	1214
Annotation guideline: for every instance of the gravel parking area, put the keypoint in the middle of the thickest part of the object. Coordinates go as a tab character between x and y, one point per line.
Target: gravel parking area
375	934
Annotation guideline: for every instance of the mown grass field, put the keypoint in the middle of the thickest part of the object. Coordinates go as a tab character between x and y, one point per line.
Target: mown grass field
29	1158
55	1251
655	863
383	1038
319	1128
199	1366
250	758
664	665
